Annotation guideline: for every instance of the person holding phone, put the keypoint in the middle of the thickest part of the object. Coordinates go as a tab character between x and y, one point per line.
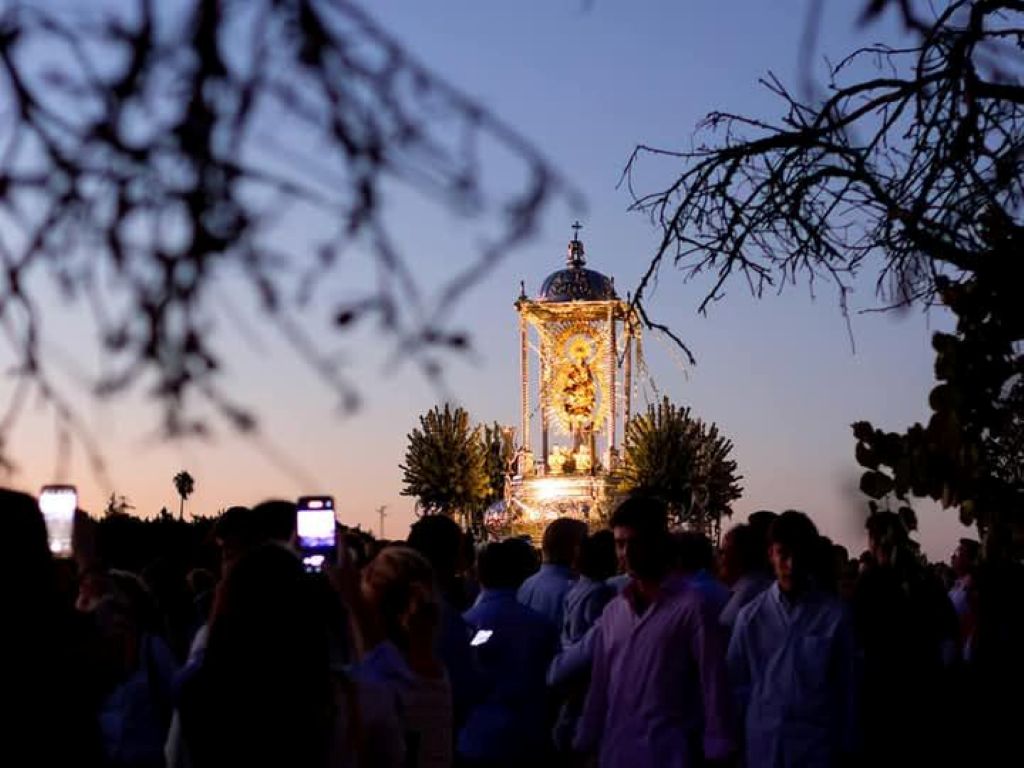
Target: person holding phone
265	692
48	679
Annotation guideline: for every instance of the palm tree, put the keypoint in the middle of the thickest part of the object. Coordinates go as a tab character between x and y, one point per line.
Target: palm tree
184	484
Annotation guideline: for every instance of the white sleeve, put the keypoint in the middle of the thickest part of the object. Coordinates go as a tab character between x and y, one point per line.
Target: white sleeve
175	751
573	660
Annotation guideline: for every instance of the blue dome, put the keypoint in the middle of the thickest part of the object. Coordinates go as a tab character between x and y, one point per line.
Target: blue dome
576	283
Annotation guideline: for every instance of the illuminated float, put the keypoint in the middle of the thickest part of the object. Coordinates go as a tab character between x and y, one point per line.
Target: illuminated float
585	343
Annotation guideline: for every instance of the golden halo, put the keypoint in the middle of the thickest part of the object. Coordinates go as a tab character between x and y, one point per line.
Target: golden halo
580	349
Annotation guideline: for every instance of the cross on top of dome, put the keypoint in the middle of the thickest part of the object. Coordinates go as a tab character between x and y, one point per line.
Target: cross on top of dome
575	256
576	282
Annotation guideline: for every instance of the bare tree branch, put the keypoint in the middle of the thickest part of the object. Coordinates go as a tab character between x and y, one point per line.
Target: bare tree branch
910	171
148	150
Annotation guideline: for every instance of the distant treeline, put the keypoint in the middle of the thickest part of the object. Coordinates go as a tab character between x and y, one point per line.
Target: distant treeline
132	543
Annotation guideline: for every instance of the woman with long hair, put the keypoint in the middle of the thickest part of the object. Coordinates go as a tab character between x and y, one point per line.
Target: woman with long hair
404	607
265	693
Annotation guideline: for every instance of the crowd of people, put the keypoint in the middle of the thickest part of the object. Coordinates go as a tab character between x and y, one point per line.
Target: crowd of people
634	646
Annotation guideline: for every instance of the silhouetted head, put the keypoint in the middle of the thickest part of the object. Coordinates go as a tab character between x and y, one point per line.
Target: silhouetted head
123	613
496	566
526	556
359	549
562	539
826	571
439	539
93	586
793	550
841	570
597	558
502	564
640	527
840	555
399	585
25	557
743	553
888	538
865	562
237	531
693	552
965	557
277	518
945	574
761	522
265	595
137	598
200	581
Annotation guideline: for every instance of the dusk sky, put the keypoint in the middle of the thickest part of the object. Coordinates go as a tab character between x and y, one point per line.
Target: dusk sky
584	82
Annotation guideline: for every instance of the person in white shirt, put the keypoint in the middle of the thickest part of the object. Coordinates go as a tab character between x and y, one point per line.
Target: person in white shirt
742	568
792	661
545	590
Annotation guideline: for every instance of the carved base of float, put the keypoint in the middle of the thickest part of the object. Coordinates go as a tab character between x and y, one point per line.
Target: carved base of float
535	501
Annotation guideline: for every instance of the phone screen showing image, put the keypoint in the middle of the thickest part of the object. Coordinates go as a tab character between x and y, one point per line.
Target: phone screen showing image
315	526
58	504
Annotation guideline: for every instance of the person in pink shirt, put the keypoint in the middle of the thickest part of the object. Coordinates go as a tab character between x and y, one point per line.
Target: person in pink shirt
659	695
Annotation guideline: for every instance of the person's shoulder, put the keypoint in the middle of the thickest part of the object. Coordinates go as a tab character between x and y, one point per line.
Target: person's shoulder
503	611
710	593
837	607
527	615
597	593
554	578
754	607
382	664
161	653
616	607
578	591
480	612
532	579
525	622
684	594
371	696
529	586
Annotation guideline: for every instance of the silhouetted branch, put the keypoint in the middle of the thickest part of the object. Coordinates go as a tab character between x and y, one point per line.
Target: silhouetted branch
146	151
907	173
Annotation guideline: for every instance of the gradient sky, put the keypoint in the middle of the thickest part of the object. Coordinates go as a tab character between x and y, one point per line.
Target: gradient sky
585	81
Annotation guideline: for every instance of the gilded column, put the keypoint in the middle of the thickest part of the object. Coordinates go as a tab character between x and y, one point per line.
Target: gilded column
612	363
627	379
524	372
543	409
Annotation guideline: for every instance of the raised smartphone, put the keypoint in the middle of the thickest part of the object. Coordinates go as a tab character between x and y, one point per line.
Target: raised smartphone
58	504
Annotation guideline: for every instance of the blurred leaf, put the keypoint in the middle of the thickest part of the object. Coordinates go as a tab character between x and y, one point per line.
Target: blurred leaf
876	484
